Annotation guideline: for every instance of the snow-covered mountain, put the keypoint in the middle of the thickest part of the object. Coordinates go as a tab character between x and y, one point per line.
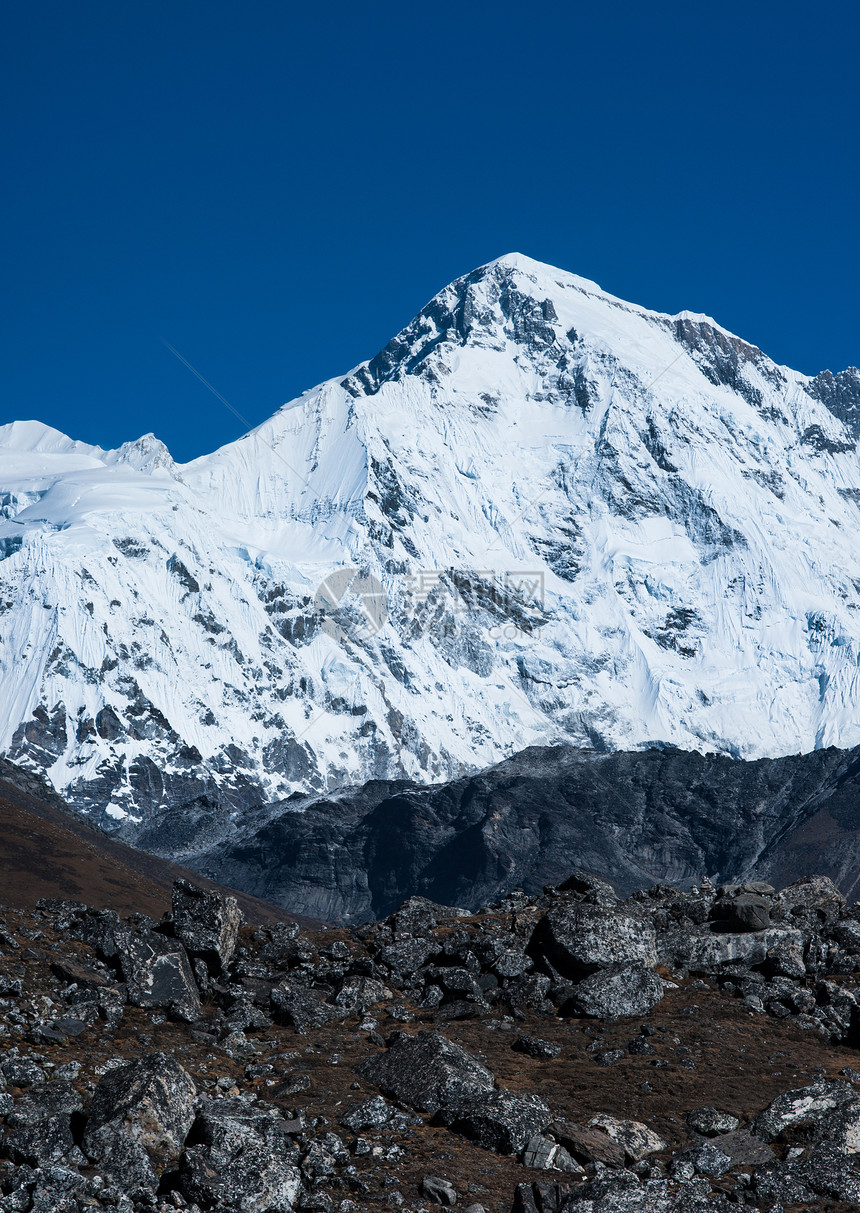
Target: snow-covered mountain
539	515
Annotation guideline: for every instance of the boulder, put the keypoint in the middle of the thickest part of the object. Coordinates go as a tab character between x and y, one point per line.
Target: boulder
139	1120
241	1158
817	894
157	973
578	939
709	1122
373	1113
295	1006
744	911
438	1191
533	1046
358	994
822	1172
497	1120
829	1110
615	992
38	1131
543	1154
588	1144
703	950
425	1071
405	956
207	923
637	1139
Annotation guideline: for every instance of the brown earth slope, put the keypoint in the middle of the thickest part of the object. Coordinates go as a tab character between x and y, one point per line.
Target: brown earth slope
45	852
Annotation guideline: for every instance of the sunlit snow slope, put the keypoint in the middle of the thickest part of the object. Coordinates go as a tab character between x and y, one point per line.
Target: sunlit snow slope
590	523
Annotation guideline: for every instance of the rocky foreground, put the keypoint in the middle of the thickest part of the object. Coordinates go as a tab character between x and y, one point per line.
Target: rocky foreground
570	1053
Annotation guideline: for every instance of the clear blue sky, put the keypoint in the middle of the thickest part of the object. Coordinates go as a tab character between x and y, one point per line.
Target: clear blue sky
277	188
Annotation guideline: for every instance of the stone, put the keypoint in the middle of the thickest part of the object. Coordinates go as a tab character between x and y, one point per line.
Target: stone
374	1113
295	1006
425	1071
439	1191
207	923
406	956
637	1139
241	1158
615	992
702	950
578	939
591	888
157	974
543	1154
533	1046
815	893
497	1120
358	994
588	1144
785	960
746	912
139	1119
710	1122
707	1159
38	1131
828	1111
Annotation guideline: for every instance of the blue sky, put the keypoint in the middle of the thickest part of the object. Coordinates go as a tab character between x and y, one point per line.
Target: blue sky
277	188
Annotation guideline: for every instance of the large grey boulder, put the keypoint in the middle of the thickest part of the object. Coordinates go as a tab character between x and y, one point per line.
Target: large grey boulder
207	923
830	1110
426	1071
577	938
158	974
139	1119
615	992
705	949
497	1120
816	894
242	1158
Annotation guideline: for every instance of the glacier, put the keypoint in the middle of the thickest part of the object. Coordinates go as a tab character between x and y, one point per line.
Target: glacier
541	515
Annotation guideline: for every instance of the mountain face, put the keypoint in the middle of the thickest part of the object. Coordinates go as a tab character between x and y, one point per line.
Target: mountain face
639	818
540	515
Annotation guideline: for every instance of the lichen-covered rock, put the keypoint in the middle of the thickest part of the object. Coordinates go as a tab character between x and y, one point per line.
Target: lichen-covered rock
38	1131
829	1110
207	923
710	1122
297	1007
426	1071
497	1120
615	992
817	894
241	1158
636	1138
579	938
139	1119
157	973
703	950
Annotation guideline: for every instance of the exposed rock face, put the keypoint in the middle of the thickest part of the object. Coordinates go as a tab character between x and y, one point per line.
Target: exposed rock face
139	1119
632	818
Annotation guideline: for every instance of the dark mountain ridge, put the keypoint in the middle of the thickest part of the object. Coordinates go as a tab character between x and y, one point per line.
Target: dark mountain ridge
634	818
